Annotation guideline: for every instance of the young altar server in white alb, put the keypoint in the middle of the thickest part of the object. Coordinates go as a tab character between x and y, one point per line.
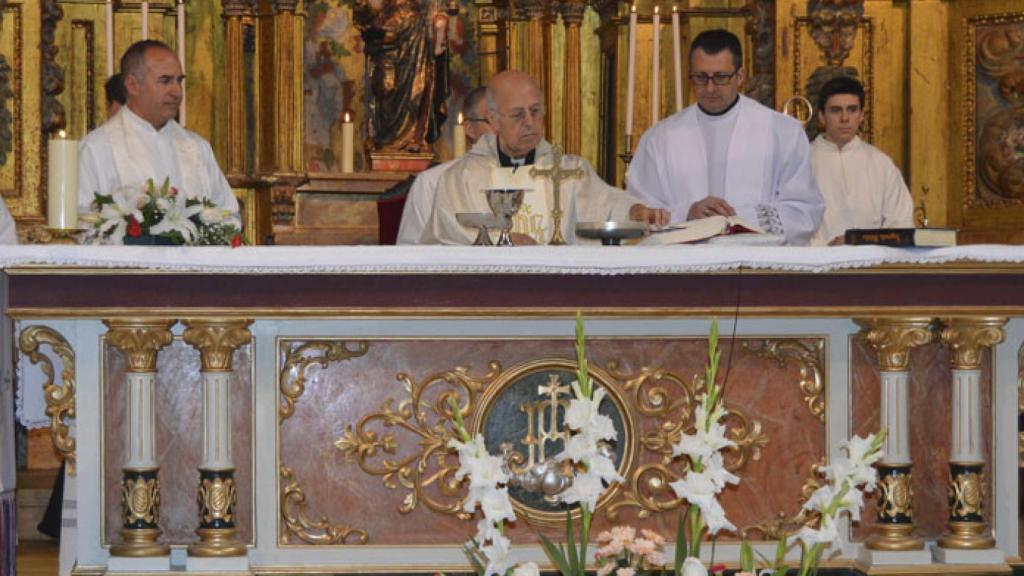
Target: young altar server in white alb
8	234
420	200
727	154
861	185
516	112
143	141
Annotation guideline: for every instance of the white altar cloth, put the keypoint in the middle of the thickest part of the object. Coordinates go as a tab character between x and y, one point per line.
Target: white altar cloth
483	260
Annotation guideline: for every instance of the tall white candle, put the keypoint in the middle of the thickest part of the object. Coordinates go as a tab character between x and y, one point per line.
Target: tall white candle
347	144
109	21
459	136
677	60
631	70
145	20
656	68
62	183
181	57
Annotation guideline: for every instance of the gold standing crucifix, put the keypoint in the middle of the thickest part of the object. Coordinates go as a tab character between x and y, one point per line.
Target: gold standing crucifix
556	173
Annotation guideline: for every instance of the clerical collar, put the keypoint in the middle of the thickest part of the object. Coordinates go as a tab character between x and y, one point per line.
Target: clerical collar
723	112
509	162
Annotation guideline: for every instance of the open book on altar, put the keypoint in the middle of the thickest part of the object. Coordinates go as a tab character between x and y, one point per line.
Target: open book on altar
702	229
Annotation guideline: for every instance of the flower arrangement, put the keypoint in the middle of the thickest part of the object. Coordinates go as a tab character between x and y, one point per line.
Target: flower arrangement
848	478
706	476
626	554
131	213
589	450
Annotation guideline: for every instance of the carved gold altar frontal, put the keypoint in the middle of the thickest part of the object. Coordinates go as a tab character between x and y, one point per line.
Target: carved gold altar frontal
364	426
178	414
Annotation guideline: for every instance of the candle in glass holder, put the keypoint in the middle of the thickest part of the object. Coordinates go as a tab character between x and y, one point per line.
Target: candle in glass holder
677	60
656	68
348	138
145	20
62	183
459	134
109	21
631	70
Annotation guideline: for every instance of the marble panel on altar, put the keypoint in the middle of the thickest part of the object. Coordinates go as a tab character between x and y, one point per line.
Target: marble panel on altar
179	406
354	445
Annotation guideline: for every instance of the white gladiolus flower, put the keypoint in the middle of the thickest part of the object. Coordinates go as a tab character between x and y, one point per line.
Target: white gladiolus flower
826	534
703	443
498	557
586	488
693	567
699	489
527	569
496	506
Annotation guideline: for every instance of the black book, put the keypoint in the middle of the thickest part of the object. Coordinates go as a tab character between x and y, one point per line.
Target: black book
926	237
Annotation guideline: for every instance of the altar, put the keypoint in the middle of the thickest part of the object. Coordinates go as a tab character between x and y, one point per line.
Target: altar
270	410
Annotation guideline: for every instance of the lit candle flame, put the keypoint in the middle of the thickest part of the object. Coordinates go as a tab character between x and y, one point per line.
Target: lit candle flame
347	119
62	135
632	8
673	8
656	9
460	118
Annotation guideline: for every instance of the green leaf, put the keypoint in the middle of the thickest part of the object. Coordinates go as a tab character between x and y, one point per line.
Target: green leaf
570	544
557	556
584	540
677	565
471	553
746	556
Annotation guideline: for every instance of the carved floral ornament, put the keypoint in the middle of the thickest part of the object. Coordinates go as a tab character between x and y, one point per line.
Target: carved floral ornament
217	340
139	340
404	441
60	398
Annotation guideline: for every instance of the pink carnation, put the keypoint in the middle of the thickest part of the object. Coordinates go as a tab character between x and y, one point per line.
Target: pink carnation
625	572
623	533
641	546
653	536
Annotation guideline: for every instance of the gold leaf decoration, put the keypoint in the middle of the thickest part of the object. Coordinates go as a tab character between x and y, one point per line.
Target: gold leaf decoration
299	359
297	522
807	357
60	398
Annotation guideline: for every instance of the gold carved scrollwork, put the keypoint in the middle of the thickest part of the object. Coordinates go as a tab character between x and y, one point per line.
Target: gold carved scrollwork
780	525
217	499
808	358
60	399
894	338
967	493
293	511
139	340
896	495
217	339
670	400
293	374
425	415
968	338
140	500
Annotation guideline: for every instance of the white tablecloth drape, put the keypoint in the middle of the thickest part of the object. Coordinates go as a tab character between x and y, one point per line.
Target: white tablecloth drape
470	259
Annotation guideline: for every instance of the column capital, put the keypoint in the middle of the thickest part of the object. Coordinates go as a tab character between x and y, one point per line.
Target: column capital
533	9
236	8
140	339
285	6
572	12
894	338
967	339
217	339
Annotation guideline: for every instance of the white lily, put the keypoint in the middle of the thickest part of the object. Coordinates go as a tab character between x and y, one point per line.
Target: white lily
177	218
498	558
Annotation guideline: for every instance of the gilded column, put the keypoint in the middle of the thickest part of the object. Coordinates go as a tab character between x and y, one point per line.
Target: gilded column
288	88
139	340
536	64
234	65
216	340
572	104
893	339
968	339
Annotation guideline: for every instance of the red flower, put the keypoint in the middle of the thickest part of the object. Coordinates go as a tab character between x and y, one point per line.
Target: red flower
718	568
174	191
134	228
236	241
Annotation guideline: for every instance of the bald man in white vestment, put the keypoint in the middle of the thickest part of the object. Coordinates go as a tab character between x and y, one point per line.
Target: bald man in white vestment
143	141
8	234
861	185
727	154
516	112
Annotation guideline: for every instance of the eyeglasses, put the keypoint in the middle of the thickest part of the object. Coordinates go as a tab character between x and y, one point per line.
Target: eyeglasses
720	78
519	115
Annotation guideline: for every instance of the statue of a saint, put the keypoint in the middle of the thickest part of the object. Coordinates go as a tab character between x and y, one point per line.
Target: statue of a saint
407	70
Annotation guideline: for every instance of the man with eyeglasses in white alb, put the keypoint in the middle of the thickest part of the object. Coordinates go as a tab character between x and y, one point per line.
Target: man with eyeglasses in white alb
504	158
727	154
